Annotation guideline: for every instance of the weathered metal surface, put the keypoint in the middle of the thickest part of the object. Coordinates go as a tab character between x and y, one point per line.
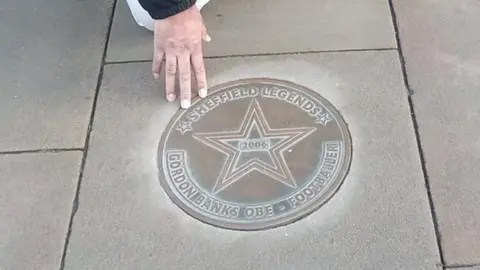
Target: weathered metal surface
255	154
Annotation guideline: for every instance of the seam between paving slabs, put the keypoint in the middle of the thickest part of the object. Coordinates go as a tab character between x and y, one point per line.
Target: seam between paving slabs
40	151
417	135
263	54
75	203
462	266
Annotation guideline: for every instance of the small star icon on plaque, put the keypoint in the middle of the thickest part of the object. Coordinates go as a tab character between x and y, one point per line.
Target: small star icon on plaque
323	119
183	127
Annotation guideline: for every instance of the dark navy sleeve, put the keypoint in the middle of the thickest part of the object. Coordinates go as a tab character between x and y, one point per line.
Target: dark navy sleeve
161	9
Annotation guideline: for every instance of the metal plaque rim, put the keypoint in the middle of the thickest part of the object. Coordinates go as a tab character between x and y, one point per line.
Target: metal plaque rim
295	215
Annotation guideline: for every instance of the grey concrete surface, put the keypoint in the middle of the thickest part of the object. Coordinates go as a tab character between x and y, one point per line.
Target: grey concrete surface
466	268
50	57
380	218
50	54
270	26
442	55
36	196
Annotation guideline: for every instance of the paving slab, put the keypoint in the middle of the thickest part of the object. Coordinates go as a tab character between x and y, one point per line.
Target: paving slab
36	195
270	26
443	65
50	52
379	218
467	268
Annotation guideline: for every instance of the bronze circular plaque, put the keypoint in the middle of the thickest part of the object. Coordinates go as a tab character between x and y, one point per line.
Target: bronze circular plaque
254	154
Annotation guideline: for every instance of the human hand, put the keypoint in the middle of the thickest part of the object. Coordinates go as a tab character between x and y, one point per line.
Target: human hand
178	40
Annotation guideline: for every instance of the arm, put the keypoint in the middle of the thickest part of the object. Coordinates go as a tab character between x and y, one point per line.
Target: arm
161	9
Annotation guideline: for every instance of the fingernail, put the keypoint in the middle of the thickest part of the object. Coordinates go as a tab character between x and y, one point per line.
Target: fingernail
208	38
202	92
185	103
171	97
155	75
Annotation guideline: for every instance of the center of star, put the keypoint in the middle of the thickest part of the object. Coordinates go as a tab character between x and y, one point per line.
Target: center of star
254	147
255	140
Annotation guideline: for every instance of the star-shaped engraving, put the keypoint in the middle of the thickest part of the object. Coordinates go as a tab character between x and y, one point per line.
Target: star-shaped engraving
184	127
323	119
254	147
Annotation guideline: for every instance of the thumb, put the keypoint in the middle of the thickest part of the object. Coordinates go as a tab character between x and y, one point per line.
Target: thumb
205	36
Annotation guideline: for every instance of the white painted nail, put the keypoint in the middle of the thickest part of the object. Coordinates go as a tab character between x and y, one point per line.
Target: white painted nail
202	92
185	103
171	97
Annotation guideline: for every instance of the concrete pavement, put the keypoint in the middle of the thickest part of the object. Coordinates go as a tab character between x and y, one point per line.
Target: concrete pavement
79	187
